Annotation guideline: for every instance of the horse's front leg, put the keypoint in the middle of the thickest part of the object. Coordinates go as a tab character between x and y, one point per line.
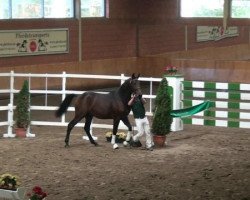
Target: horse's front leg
115	128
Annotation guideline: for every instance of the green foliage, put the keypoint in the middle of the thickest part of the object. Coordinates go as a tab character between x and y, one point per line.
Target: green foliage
240	12
162	119
206	12
22	113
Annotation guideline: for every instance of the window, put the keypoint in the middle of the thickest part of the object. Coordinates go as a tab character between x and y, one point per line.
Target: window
29	9
92	8
4	9
26	9
202	8
58	8
240	9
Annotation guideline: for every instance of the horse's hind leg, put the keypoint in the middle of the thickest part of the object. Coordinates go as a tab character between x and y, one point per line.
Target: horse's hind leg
87	128
127	123
71	125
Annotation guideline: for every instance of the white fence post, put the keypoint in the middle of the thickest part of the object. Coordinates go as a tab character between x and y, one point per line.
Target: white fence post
10	122
63	91
10	108
28	132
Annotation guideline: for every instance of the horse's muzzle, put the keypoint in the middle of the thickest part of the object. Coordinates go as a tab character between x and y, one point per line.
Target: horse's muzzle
138	93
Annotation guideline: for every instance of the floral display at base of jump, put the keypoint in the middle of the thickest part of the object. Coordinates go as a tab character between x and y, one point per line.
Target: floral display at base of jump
120	136
37	194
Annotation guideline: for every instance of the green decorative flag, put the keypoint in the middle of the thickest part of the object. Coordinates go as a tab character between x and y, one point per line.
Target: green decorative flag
186	112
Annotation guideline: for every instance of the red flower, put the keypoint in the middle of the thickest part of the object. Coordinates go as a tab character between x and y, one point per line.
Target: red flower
37	190
170	69
37	193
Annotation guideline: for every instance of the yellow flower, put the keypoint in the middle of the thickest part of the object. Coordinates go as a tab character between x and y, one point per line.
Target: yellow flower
121	135
9	181
108	134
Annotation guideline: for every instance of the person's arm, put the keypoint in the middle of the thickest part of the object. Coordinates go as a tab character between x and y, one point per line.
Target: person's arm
143	100
131	101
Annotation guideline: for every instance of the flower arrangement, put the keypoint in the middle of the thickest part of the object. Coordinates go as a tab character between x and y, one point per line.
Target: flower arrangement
37	193
9	182
170	70
120	136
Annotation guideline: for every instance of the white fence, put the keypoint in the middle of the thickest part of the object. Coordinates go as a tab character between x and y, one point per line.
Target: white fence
64	76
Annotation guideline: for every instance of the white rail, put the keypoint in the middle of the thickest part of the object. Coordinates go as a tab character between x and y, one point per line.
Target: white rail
64	76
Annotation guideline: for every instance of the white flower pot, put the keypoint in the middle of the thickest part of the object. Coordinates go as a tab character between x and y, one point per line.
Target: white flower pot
15	195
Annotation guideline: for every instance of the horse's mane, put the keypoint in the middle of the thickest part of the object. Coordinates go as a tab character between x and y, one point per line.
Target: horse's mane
123	92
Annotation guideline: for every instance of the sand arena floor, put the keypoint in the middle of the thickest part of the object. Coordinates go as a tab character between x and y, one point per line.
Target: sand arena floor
197	163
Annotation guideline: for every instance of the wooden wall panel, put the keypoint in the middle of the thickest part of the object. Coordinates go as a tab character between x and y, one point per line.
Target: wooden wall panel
215	70
161	38
123	9
235	52
126	66
109	46
230	64
108	40
158	11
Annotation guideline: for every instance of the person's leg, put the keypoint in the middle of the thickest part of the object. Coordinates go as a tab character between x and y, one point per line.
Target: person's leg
139	125
149	138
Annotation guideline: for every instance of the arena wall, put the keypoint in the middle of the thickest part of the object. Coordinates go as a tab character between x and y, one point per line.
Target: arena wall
138	36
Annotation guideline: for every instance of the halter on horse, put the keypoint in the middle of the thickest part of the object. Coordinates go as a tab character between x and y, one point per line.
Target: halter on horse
113	105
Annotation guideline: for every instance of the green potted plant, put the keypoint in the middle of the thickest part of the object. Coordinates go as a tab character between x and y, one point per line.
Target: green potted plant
162	120
22	112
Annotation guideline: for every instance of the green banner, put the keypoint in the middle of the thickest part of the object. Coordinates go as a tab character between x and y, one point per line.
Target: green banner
186	112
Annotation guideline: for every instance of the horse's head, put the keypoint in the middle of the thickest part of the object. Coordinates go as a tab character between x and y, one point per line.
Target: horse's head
134	85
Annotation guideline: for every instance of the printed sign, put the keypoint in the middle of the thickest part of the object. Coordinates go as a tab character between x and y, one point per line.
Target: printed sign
33	42
207	33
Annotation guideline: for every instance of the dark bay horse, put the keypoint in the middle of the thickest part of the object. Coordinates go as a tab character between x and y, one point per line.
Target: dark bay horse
113	105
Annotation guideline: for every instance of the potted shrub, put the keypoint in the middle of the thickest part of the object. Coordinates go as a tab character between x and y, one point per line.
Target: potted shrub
22	112
162	120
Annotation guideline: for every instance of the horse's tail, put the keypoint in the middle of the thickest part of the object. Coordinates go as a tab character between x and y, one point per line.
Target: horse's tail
64	105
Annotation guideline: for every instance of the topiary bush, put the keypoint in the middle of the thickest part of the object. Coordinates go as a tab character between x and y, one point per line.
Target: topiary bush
162	119
22	113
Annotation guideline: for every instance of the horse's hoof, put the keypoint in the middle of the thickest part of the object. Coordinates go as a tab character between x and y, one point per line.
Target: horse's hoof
115	146
125	143
94	142
66	146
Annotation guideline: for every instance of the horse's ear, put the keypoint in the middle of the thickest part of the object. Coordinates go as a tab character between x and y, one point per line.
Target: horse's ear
133	76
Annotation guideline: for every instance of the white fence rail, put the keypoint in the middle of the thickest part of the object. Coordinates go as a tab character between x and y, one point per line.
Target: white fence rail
11	91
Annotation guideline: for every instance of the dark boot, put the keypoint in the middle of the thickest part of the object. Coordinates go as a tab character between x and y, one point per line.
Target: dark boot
135	143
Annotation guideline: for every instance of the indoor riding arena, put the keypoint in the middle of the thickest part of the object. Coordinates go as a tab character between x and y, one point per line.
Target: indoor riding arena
108	51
